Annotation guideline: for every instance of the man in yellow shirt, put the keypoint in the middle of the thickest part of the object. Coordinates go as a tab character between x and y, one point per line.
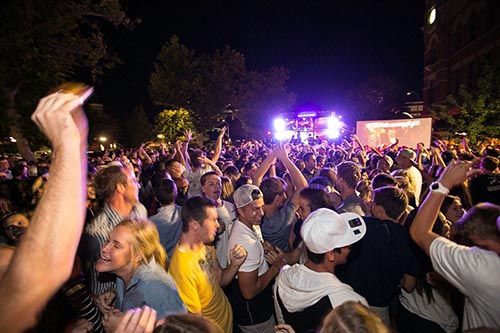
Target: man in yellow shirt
195	268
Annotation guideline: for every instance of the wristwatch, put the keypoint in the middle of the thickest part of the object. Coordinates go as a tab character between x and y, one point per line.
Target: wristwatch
438	188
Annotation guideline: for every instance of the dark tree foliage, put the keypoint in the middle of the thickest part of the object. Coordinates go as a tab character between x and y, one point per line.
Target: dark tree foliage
209	84
379	97
474	111
45	43
137	128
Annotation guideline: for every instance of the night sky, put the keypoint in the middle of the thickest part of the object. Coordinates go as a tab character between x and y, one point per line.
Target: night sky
329	47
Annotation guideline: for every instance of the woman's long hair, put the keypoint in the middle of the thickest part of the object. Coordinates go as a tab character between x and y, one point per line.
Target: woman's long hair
145	241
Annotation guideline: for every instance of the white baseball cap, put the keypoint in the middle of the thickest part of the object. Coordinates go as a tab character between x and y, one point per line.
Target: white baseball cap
325	230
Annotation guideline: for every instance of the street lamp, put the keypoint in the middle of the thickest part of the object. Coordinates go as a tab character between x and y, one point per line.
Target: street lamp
414	93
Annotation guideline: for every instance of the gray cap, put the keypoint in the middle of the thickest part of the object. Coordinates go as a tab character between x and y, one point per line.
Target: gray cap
245	194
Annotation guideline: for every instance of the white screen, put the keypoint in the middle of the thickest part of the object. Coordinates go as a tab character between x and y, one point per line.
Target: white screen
409	132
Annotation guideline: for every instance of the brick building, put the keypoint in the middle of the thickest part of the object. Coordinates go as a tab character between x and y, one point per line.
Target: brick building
458	35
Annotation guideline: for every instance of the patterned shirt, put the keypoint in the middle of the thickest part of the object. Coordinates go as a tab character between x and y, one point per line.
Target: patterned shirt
96	235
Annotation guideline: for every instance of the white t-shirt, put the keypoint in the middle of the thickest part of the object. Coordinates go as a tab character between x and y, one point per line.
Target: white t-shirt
246	237
439	310
226	214
476	273
193	178
416	176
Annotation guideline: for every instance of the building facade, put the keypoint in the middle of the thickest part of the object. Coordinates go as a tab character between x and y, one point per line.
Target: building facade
458	35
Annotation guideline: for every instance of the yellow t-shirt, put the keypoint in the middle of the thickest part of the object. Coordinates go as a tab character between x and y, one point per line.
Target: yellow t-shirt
198	286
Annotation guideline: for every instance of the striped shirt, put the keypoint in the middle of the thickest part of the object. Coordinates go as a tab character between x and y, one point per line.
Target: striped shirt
96	235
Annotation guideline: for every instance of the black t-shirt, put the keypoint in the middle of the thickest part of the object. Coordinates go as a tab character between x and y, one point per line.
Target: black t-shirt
251	312
485	188
377	263
309	319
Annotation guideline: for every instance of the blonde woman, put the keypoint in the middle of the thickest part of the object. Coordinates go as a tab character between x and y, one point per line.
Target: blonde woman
134	254
352	317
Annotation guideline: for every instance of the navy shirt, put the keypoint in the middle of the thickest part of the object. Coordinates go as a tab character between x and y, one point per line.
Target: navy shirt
377	263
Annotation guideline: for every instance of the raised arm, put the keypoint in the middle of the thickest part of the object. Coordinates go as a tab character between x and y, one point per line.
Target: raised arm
297	177
356	139
437	159
394	145
143	155
263	167
44	259
188	134
375	151
420	152
179	152
163	152
218	145
214	166
421	228
466	147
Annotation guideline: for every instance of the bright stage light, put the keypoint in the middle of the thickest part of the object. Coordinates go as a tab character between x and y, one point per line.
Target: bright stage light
279	125
307	114
333	133
334	126
334	123
280	136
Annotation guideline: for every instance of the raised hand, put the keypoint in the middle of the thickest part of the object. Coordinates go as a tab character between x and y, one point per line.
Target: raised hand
223	131
281	151
104	301
456	173
137	321
237	255
61	118
275	257
188	134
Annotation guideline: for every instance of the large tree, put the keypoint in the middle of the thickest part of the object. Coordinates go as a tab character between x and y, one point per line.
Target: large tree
474	110
208	84
379	97
172	124
44	43
137	127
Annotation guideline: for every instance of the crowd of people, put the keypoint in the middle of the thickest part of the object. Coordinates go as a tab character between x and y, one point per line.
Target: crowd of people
255	237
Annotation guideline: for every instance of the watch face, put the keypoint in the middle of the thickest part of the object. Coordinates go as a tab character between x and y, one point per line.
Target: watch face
432	16
435	186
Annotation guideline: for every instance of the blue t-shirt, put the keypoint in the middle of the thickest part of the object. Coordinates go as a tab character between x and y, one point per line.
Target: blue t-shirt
276	229
169	224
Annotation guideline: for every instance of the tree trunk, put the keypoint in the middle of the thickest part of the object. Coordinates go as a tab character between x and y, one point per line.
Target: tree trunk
14	119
